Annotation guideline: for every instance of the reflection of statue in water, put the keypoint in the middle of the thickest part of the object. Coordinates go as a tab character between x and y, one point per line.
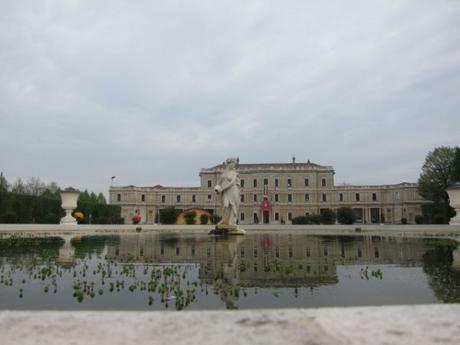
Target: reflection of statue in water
228	186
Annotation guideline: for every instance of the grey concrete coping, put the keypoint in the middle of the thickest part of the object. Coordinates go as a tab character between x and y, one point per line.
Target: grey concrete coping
405	325
366	229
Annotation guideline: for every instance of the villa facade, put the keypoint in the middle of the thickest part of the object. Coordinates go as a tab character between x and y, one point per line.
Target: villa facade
275	193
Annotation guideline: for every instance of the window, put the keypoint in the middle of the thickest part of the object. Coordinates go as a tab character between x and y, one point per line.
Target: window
193	250
307	197
276	182
289	197
323	182
289	183
374	196
242	197
360	253
307	214
357	197
324	197
277	216
254	183
325	252
290	252
242	216
193	198
376	252
341	197
209	183
276	198
242	183
265	181
306	182
277	252
143	197
118	197
163	198
256	218
255	197
307	252
242	252
178	198
398	196
209	196
289	216
255	252
177	251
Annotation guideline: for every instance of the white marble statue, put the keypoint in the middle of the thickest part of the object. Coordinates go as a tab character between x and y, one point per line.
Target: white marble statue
228	186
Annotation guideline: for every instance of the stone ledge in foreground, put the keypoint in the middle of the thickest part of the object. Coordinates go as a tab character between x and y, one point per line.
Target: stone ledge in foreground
420	324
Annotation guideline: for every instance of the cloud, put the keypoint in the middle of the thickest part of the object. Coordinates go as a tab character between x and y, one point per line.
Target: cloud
152	91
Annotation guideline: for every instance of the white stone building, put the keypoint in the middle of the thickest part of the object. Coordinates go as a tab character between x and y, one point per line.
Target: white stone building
275	193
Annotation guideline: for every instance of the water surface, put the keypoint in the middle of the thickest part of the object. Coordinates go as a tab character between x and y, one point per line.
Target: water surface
161	272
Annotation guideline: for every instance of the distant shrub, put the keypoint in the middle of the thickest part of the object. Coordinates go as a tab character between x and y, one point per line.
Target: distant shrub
215	219
301	220
418	219
327	216
403	220
345	215
204	219
190	217
169	215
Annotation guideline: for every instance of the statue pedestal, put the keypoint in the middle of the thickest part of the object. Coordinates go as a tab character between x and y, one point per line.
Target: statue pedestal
454	197
227	229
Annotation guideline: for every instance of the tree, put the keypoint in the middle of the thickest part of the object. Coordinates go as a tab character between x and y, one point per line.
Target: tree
438	172
18	187
101	199
345	215
455	176
3	183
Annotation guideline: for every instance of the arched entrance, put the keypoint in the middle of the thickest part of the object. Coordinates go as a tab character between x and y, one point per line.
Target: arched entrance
265	210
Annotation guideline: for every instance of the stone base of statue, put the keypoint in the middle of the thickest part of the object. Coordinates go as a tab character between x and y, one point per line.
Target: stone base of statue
227	229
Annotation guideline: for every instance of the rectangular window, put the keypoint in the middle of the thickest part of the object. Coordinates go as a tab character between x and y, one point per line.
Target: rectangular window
118	197
256	218
307	252
276	198
325	252
323	182
163	198
276	182
374	196
289	197
307	197
289	183
277	252
291	253
209	183
242	183
193	250
242	252
398	195
255	197
242	216
265	181
177	251
193	198
360	253
289	216
255	252
143	197
209	196
324	197
254	183
306	182
242	197
357	196
277	216
341	197
178	198
376	252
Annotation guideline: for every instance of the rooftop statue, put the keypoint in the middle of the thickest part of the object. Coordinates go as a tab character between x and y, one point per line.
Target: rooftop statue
228	186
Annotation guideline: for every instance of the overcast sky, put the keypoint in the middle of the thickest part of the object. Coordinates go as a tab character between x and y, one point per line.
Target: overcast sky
152	91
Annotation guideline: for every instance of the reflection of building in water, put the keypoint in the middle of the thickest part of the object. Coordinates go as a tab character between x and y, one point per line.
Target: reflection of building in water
301	259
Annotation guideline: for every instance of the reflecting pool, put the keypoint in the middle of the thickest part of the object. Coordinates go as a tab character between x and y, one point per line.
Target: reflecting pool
169	272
